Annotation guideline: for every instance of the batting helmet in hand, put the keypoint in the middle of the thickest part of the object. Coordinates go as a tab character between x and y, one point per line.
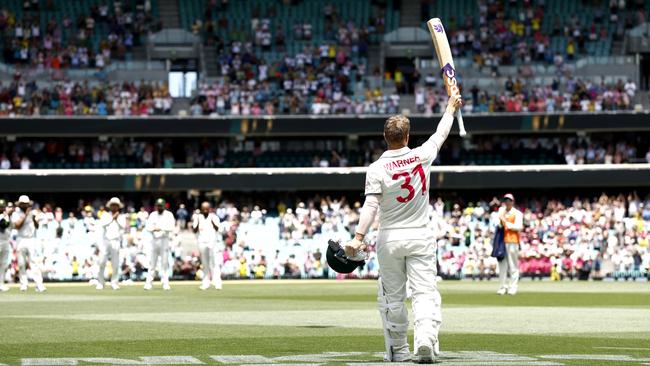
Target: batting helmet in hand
338	261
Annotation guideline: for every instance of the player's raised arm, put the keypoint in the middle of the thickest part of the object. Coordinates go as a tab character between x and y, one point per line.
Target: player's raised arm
444	126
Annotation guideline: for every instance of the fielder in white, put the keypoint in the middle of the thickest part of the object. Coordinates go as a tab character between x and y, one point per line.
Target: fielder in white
25	222
512	222
5	246
114	225
398	185
206	225
161	224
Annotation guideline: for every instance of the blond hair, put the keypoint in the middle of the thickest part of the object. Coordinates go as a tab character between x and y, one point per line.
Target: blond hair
396	129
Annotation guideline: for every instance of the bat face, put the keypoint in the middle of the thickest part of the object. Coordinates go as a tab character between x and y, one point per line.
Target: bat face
451	83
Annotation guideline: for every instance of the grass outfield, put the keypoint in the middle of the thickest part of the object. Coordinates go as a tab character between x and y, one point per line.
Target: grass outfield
318	322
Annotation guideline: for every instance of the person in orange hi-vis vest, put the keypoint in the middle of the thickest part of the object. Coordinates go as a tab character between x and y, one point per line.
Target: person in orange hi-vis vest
512	222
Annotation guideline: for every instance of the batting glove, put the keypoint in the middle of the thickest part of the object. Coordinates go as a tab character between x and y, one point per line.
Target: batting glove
354	249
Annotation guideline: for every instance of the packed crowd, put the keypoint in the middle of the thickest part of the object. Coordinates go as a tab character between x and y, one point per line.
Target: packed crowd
20	98
549	150
297	96
564	94
320	78
210	153
499	37
68	43
345	32
316	80
607	236
580	238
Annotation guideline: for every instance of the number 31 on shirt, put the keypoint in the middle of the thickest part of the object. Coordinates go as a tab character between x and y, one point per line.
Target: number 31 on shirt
418	171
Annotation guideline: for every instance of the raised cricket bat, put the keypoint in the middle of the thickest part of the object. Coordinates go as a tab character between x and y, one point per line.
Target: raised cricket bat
446	61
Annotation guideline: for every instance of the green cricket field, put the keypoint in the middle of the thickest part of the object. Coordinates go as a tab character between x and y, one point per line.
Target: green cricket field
320	322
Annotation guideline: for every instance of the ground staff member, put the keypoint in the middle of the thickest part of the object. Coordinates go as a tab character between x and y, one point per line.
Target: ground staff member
512	222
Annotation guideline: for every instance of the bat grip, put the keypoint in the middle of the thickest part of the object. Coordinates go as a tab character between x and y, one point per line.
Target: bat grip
461	125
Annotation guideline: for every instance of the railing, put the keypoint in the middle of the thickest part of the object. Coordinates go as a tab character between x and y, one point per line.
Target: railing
605	60
246	172
320	179
173	36
85	73
276	117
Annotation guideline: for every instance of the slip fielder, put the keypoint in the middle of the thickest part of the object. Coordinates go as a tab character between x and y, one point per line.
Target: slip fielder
114	225
161	224
25	222
398	185
206	225
5	245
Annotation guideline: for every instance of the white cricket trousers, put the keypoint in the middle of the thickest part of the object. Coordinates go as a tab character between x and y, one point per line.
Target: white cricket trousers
509	266
211	260
26	253
5	259
159	250
110	250
414	260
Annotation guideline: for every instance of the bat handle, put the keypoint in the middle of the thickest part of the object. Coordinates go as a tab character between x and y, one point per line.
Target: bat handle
461	125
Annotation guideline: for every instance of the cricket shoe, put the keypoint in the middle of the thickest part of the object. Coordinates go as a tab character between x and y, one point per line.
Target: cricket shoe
40	288
424	354
398	354
218	287
148	286
115	286
426	351
166	287
4	288
99	286
23	288
204	286
502	291
512	291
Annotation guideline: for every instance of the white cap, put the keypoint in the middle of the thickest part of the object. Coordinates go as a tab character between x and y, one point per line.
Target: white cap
24	199
509	196
115	201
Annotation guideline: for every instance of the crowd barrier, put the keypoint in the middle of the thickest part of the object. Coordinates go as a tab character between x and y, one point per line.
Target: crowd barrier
319	179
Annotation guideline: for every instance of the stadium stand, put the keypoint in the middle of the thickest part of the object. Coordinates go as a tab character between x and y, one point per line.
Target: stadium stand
537	77
21	98
223	153
575	238
79	34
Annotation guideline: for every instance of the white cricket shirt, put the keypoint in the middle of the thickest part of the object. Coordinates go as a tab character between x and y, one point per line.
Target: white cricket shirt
113	229
165	222
401	178
207	233
28	230
4	236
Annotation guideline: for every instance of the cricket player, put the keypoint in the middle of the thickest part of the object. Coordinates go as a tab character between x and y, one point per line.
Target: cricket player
512	222
25	222
161	224
398	185
114	225
5	245
206	225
